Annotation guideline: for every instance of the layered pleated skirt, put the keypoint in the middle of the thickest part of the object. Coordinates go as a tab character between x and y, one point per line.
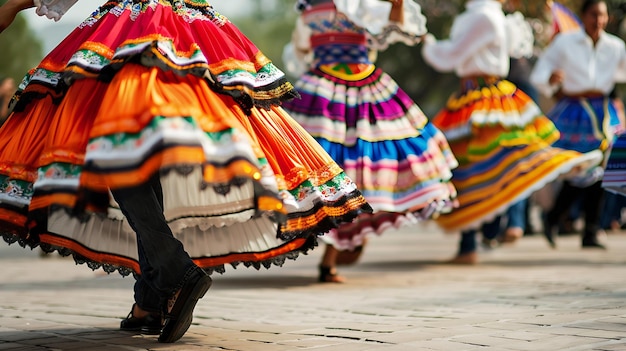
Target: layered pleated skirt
369	126
590	122
169	89
503	144
585	123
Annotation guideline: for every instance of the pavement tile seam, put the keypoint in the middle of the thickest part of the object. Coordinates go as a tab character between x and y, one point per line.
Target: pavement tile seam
521	298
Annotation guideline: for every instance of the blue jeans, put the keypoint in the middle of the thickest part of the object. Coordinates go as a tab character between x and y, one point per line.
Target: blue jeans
468	237
611	209
164	264
516	215
591	199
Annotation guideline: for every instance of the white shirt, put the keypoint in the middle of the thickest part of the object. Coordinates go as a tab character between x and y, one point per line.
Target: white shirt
477	43
373	15
586	68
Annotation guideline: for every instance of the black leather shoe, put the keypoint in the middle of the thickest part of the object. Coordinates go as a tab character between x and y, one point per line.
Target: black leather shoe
549	232
592	244
150	324
590	239
179	317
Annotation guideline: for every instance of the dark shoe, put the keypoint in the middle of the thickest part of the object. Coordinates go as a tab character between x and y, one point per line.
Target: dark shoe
179	317
590	239
592	244
549	232
329	275
150	324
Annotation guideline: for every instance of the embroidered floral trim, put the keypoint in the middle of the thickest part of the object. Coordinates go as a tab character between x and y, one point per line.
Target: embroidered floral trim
18	190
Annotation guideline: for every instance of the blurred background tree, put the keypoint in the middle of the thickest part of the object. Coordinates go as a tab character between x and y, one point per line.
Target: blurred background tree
21	49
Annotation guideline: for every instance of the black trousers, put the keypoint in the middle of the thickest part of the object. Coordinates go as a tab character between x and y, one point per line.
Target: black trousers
163	262
591	197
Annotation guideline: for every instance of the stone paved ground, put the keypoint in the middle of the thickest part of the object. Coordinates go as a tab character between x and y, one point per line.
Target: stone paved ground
400	297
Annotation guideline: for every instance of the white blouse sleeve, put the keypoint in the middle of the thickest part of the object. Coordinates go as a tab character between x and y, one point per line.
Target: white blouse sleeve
620	75
297	54
520	37
373	15
468	35
548	62
53	9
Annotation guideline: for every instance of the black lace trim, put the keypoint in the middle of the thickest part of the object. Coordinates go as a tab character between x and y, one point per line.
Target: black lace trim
279	260
329	222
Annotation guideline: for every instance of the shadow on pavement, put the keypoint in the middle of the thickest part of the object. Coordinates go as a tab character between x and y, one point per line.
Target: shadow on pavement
260	282
104	339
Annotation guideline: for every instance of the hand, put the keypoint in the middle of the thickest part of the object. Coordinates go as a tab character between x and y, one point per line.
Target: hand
53	9
397	13
556	78
7	16
9	11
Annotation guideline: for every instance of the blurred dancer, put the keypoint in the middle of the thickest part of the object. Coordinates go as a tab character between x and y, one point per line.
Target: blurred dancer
368	124
496	131
580	69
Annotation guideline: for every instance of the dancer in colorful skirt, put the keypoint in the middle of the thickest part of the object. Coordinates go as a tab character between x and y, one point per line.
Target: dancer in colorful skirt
169	108
371	127
498	134
580	69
